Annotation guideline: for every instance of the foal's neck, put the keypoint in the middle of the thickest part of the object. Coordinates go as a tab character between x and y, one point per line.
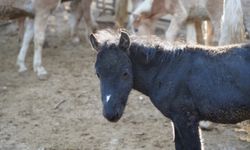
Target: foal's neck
146	63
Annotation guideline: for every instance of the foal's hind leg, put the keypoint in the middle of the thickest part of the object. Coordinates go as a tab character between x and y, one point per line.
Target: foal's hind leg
28	35
186	133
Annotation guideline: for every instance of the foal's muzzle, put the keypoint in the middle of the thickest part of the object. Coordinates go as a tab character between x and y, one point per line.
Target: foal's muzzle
111	116
112	112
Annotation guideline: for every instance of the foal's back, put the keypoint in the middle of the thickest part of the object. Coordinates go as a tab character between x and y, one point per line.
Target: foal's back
220	84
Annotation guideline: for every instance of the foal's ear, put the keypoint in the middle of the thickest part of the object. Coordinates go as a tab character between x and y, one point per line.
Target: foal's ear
93	42
124	42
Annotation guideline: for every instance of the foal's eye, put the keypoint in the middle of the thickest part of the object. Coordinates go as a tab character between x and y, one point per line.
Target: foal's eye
125	75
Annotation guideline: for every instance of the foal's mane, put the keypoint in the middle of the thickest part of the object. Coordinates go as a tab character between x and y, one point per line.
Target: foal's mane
152	46
145	45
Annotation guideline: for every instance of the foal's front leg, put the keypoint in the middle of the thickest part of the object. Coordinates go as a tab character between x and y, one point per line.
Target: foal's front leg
39	37
186	132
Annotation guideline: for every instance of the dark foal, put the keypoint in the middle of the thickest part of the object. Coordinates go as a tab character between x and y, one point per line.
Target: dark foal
187	84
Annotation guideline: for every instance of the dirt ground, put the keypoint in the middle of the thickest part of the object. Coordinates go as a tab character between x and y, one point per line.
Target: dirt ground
65	112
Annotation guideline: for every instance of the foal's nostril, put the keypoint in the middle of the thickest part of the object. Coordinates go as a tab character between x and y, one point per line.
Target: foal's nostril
111	117
136	30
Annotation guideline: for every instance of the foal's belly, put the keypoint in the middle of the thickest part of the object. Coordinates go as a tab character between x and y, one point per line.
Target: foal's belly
231	111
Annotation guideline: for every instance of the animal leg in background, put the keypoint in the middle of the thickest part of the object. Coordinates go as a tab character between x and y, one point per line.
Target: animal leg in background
191	36
90	24
75	18
232	26
79	9
175	25
39	37
210	33
195	34
121	13
21	22
28	35
198	30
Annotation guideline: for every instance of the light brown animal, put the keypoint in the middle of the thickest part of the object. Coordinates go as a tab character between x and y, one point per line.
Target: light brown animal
184	13
35	28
